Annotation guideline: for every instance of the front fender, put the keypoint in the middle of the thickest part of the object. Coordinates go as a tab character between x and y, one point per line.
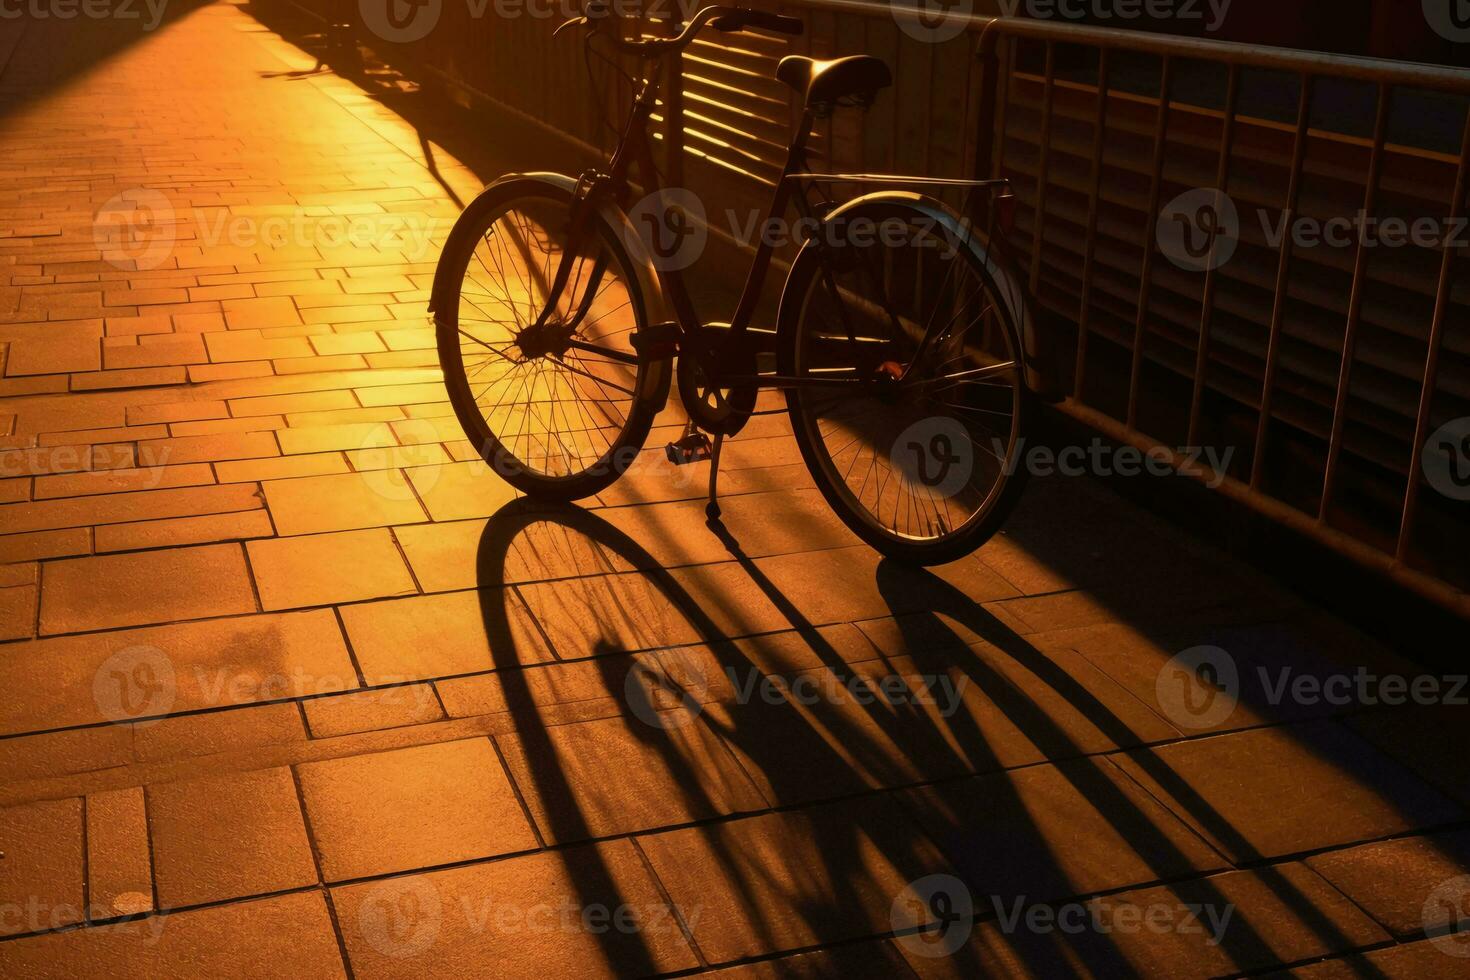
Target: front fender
1008	283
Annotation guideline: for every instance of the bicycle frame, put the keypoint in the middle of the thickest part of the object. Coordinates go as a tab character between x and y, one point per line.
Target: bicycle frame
634	149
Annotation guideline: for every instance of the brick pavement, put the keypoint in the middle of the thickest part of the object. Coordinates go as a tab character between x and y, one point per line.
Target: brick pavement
293	687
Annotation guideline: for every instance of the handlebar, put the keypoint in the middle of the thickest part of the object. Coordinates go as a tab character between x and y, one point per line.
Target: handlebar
721	18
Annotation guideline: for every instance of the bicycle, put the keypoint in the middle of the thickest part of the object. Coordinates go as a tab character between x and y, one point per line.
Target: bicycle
900	352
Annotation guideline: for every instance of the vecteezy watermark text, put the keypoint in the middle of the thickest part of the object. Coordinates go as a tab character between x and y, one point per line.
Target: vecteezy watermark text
1200	688
1205	463
1201	230
149	11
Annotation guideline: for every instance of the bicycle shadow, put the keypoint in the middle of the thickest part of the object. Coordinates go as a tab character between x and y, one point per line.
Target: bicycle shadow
830	755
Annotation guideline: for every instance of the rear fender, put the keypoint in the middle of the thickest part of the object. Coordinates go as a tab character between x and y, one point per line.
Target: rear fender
958	229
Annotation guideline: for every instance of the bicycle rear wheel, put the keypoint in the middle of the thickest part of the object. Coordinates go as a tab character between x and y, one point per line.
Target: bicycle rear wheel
911	424
560	407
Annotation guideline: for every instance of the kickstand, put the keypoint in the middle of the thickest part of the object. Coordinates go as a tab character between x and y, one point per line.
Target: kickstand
712	509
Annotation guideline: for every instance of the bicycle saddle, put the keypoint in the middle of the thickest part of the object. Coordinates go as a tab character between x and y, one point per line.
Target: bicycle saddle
854	80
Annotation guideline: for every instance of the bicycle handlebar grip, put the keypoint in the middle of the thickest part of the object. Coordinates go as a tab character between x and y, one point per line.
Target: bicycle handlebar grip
766	21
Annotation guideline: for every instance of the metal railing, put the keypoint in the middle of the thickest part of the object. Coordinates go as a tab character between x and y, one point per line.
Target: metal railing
1330	368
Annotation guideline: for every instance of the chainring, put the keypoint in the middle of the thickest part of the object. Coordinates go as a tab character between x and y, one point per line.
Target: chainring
720	411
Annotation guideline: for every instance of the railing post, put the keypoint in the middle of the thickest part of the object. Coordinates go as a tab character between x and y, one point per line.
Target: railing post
1355	303
1283	281
1207	296
1442	301
1094	202
1145	277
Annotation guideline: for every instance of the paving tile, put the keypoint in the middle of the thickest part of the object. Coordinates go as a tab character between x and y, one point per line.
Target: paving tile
142	673
541	687
1230	924
440	635
284	404
207	448
42	883
1394	881
128	378
604	614
447	555
210	732
456	491
319	569
584	912
279	468
145	587
290	935
65	752
18	612
860	961
1286	790
244	314
1050	832
1426	739
620	775
228	836
791	880
1425	960
19	573
119	865
760	525
44	544
172	532
204	427
123	480
326	438
368	711
850	584
337	503
116	508
412	808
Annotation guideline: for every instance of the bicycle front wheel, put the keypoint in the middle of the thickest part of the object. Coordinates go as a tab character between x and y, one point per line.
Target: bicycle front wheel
909	400
558	405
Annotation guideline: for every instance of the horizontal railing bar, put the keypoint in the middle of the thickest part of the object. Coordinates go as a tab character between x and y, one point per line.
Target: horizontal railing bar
897	179
1294	60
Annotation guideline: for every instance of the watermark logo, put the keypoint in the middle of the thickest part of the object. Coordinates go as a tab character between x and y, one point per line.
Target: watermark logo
401	917
135	682
1446	916
1446	460
670	224
933	916
384	464
936	454
1199	687
932	21
1199	230
1449	18
400	21
659	699
136	229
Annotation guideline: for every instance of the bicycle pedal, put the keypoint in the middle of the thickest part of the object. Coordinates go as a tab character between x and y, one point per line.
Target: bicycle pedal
690	448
